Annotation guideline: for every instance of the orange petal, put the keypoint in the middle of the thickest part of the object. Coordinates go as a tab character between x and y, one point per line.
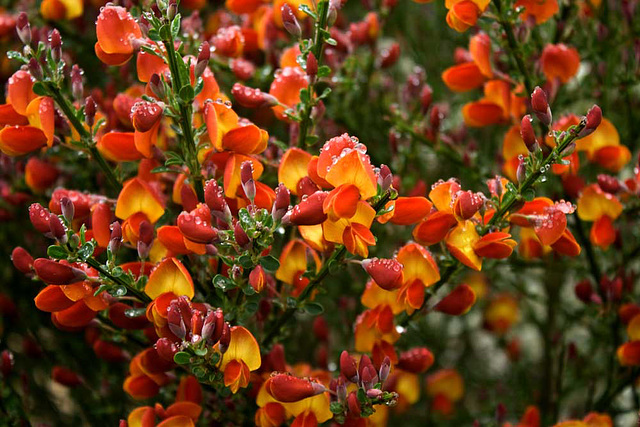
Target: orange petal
115	30
40	114
243	346
463	77
101	219
480	50
148	64
171	237
418	264
52	299
137	196
19	140
612	158
594	203
460	242
119	147
143	141
433	229
540	10
342	202
111	58
463	15
286	88
495	245
244	140
169	276
293	167
629	354
232	167
567	245
76	316
354	168
10	117
603	233
410	210
20	91
559	61
458	302
140	387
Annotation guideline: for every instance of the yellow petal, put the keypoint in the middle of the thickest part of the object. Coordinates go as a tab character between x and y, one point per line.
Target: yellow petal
169	276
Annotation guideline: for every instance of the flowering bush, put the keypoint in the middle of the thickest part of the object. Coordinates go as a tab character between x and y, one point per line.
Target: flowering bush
320	213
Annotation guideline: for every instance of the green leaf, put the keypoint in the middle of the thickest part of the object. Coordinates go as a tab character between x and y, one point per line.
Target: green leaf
324	71
164	169
40	89
175	26
270	263
154	35
135	312
57	252
201	351
314	308
223	283
336	407
182	358
331	41
529	194
187	94
325	93
86	250
306	9
245	261
311	139
165	32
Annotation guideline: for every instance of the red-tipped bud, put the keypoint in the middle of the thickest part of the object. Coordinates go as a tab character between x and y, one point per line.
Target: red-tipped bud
467	203
22	260
35	69
116	237
55	41
309	211
57	228
23	28
385	369
385	178
387	273
166	349
90	109
57	273
369	376
214	198
196	225
156	86
312	65
203	59
584	291
540	106
281	202
176	322
353	404
258	278
68	209
225	338
197	321
416	360
246	178
374	393
609	184
252	98
390	56
287	388
77	87
528	134
144	115
426	96
348	367
217	325
241	236
290	21
436	118
39	217
306	187
242	69
458	302
593	120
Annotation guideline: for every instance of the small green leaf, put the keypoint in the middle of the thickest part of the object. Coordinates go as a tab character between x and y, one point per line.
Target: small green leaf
175	26
223	283
201	351
86	250
270	263
40	89
306	9
324	71
245	261
57	252
314	308
182	358
135	312
187	94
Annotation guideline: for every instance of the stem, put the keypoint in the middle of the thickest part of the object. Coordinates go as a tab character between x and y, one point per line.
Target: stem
186	116
512	199
140	295
316	49
337	256
85	135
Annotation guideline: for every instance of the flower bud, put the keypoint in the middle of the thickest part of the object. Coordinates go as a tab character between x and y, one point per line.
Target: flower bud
609	184
116	237
145	115
6	363
35	69
22	260
175	321
203	59
368	377
55	41
416	360
353	404
246	178
214	198
387	273
39	217
593	120
166	349
341	389
306	187
528	134
68	209
390	56
290	21
374	393
172	9
521	171
90	109
348	367
436	118
57	273
385	178
157	86
242	69
57	228
252	98
309	211
281	202
385	368
540	106
287	388
23	28
467	203
196	225
225	338
312	65
426	96
77	88
241	236
584	291
258	278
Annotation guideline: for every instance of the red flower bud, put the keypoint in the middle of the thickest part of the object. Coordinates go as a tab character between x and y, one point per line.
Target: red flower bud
290	21
225	338
77	88
368	376
55	41
241	236
214	198
348	367
252	98
467	203
385	369
306	187
90	109
416	360
246	178
35	69
23	28
593	120
281	202
312	65
385	178
6	363
584	291
22	260
203	59
387	273
609	184
39	217
287	388
196	225
144	115
353	404
242	69
57	228
309	211
166	349
57	273
320	328
426	96
390	56
540	106
258	278
156	86
65	376
527	133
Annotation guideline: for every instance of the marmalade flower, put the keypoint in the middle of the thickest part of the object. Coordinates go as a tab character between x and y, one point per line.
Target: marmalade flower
116	31
242	356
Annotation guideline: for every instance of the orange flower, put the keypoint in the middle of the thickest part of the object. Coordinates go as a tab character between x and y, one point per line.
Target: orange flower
286	88
53	10
169	276
460	242
499	105
352	232
501	313
445	387
495	245
242	357
119	147
293	167
406	210
458	302
293	264
137	196
115	29
559	61
540	10
463	14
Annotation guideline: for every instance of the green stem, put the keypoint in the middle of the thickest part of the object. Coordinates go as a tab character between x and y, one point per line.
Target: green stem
85	135
185	122
316	49
138	294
